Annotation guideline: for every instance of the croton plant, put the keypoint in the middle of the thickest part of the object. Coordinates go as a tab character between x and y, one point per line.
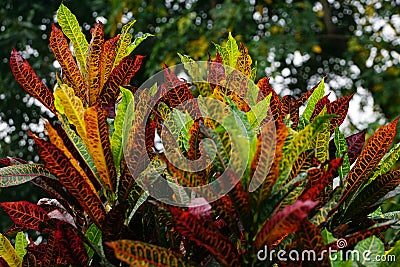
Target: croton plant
322	191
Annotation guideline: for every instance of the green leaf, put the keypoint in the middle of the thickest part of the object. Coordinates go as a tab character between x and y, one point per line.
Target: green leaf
259	112
93	234
143	197
316	95
19	174
300	142
8	252
230	52
341	150
80	146
20	244
71	29
122	115
192	67
322	141
137	42
388	161
392	256
123	42
374	248
178	123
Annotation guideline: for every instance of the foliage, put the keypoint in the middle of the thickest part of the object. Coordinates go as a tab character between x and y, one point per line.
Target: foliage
103	211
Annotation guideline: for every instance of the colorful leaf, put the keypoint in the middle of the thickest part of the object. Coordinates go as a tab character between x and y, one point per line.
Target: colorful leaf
70	178
26	214
107	58
355	144
205	235
120	76
322	141
298	144
62	53
71	29
378	188
269	182
123	43
376	147
320	106
30	82
137	42
70	105
124	117
265	90
20	244
93	234
8	253
341	151
283	223
216	71
316	95
230	52
243	63
136	253
99	145
19	174
93	63
388	161
57	140
339	107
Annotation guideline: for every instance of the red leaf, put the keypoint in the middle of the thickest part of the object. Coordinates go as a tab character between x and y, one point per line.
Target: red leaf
25	214
119	76
265	90
338	107
59	46
205	235
355	144
30	82
107	58
283	223
216	72
320	106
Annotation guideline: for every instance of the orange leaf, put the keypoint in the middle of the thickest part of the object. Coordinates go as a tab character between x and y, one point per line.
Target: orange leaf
61	51
244	61
93	62
30	82
283	223
107	58
265	90
376	147
56	140
98	144
58	164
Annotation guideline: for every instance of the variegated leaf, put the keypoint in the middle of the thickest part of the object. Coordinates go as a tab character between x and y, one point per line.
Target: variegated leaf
19	174
123	43
70	105
70	178
8	253
136	253
71	29
283	223
93	63
99	145
62	53
30	82
25	214
205	235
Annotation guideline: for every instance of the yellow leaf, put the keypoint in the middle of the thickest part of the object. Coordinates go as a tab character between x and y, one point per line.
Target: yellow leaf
70	105
99	145
8	252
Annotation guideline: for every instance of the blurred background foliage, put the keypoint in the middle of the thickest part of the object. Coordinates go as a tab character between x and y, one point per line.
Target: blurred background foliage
356	43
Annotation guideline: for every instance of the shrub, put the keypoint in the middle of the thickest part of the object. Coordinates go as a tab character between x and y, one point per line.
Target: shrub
118	199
